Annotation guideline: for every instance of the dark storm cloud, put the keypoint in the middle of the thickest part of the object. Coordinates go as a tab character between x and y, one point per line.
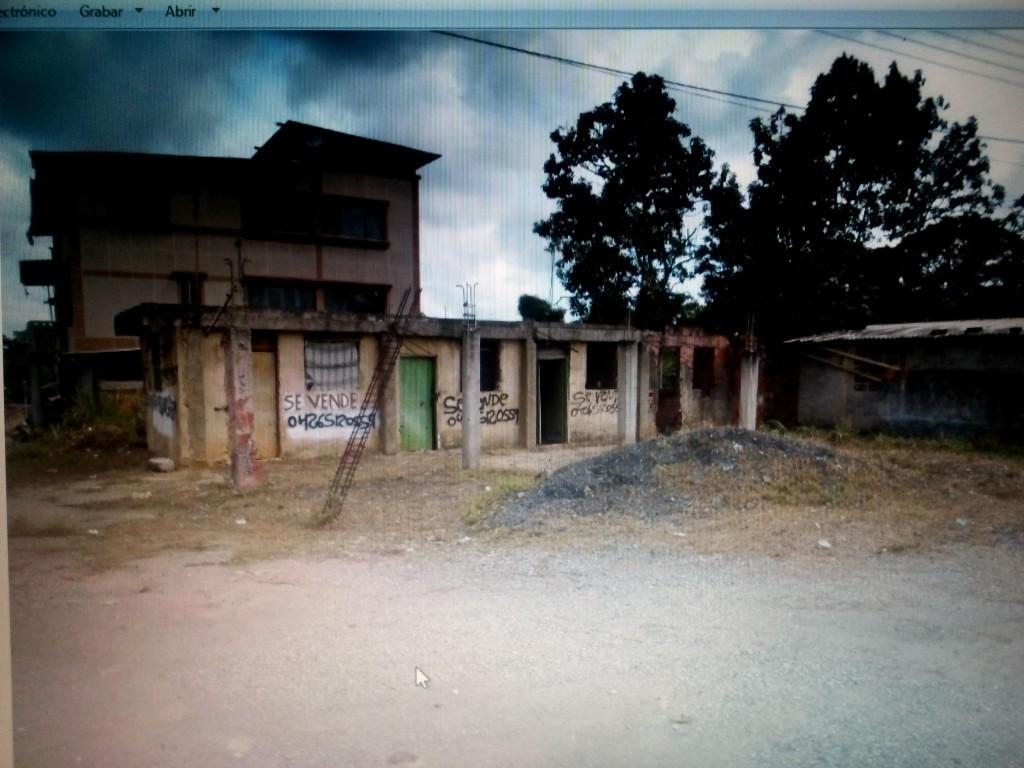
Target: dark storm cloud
127	91
322	62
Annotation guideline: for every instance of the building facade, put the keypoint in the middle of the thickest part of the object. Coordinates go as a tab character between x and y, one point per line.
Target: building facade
315	220
275	279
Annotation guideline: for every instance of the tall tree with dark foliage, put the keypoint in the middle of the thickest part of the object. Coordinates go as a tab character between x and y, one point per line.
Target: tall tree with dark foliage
868	207
624	179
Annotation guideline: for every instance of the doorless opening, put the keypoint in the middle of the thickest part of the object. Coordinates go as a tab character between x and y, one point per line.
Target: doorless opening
552	400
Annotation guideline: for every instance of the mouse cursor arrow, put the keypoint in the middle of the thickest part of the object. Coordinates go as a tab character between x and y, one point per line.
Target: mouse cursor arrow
422	681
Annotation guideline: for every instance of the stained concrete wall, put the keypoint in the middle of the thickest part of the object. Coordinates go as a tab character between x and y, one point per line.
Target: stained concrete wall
312	422
161	411
215	399
593	413
192	425
647	392
499	410
112	270
949	386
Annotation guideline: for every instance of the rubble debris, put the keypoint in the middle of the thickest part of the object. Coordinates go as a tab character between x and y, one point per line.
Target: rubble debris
624	480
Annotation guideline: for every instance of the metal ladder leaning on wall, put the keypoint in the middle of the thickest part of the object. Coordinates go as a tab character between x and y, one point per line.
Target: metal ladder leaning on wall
368	413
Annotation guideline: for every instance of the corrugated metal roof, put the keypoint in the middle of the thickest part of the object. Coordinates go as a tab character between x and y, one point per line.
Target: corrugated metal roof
1005	326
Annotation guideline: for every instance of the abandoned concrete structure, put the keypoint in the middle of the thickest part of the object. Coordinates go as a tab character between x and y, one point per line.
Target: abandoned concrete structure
960	377
256	294
538	383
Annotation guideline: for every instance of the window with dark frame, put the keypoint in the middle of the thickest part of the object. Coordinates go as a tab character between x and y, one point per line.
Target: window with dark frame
332	364
490	365
356	298
602	365
287	214
353	219
189	288
303	212
268	294
704	368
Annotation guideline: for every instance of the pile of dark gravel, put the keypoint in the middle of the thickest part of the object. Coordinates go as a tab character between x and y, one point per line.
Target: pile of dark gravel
623	480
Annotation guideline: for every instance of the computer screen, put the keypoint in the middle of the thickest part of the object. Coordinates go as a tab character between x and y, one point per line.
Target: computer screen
513	384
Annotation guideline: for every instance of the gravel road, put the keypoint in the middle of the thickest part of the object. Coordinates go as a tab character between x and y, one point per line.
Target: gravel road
608	656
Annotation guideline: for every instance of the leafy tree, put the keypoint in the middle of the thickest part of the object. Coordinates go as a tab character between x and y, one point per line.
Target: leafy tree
535	308
868	207
624	178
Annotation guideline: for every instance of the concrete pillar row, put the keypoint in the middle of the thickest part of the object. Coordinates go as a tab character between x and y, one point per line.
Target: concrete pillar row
471	398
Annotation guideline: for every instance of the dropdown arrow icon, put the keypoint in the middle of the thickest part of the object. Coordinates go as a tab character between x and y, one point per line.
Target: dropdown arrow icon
216	10
138	10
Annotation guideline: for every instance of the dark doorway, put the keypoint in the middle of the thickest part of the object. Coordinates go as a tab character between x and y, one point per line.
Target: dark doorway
552	400
669	416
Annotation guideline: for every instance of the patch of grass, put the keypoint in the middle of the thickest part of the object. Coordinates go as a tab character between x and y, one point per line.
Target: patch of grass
99	425
498	486
838	436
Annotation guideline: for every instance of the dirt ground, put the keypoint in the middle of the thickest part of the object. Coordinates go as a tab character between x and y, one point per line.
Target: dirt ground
162	619
716	492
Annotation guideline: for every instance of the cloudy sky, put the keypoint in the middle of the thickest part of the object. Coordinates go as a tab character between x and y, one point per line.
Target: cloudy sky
488	112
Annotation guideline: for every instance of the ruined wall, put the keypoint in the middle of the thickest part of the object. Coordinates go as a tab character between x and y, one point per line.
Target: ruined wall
593	413
312	422
215	399
499	410
704	407
162	398
948	387
691	407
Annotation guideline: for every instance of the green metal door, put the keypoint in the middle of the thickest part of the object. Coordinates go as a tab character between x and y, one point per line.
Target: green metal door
416	425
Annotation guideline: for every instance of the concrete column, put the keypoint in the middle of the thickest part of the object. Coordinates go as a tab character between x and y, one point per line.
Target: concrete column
241	419
181	450
644	417
748	390
627	392
389	416
195	405
471	399
528	396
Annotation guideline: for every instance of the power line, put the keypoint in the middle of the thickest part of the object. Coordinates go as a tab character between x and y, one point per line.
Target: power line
697	89
694	90
934	47
1014	83
1003	35
986	46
